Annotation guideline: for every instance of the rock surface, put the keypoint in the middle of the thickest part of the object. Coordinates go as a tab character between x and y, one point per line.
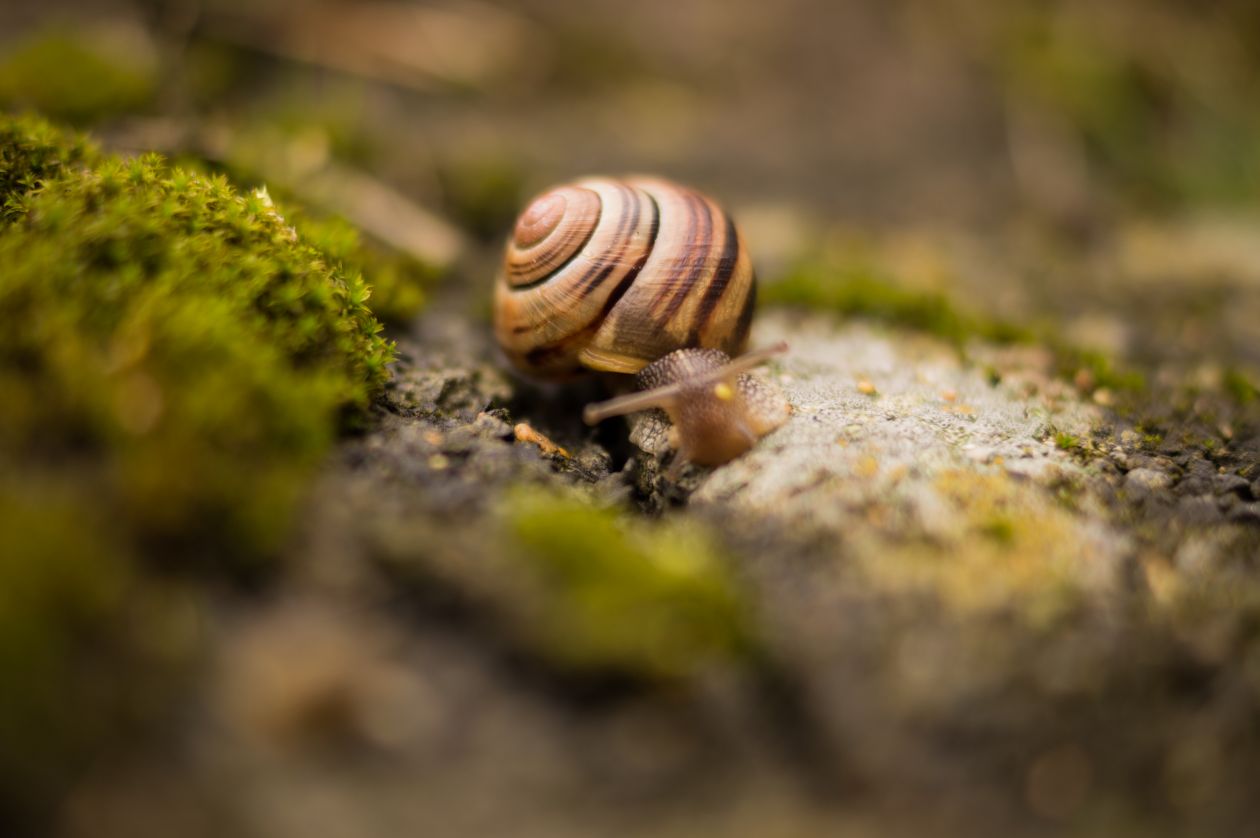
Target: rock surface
966	585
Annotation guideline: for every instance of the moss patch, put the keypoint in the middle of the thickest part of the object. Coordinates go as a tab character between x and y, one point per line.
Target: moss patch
398	283
183	341
174	360
651	600
1240	387
1066	442
33	152
69	75
856	288
293	158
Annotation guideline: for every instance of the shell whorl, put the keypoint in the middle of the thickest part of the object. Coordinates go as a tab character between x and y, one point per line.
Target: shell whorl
611	274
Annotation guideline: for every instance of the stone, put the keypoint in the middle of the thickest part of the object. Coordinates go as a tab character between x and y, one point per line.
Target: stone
1245	513
1231	484
1148	479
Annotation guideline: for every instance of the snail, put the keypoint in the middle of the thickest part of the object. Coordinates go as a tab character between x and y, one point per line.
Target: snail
643	277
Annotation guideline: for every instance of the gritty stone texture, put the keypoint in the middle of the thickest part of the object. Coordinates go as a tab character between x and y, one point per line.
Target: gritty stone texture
936	549
1148	479
929	415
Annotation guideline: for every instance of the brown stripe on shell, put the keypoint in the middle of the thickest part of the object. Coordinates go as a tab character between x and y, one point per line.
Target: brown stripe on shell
624	285
700	249
539	356
655	315
718	285
674	294
544	355
627	224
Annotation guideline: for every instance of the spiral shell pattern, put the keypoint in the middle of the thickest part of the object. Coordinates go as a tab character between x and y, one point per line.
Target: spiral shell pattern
611	275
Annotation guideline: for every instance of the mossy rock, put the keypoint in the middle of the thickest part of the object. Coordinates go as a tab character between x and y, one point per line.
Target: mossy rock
174	362
619	596
33	152
181	340
850	285
398	282
76	75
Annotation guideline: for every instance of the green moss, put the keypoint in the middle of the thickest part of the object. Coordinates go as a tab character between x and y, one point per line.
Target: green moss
853	287
862	290
179	339
59	582
174	361
398	284
1239	386
1000	528
68	75
647	599
1066	442
1152	433
33	152
1093	368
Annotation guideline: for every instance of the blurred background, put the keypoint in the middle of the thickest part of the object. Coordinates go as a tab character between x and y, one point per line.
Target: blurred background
1064	160
1081	172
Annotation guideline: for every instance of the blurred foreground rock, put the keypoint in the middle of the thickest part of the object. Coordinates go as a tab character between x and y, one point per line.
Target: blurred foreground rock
971	600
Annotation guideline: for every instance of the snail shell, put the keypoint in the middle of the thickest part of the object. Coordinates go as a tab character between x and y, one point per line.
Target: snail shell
611	275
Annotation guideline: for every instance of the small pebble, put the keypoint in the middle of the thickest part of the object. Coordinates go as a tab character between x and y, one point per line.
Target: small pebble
1230	483
493	426
1198	510
1148	478
1245	513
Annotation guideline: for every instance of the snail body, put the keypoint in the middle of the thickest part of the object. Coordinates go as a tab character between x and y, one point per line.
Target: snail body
643	277
611	275
718	410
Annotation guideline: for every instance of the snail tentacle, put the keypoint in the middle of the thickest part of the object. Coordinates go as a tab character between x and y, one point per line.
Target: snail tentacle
593	414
